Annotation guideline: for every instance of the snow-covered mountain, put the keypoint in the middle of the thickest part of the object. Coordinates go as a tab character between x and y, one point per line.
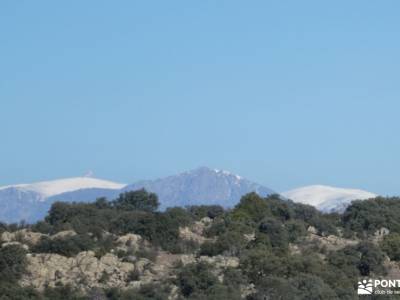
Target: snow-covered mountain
30	202
200	186
47	189
327	198
196	187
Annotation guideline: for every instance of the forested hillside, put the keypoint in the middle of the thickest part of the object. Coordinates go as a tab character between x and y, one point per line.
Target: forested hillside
264	248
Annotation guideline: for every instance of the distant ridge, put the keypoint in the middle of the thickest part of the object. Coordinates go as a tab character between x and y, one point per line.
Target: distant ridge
201	186
196	187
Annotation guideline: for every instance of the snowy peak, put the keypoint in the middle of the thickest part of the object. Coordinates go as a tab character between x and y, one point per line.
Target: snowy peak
327	198
212	172
201	186
47	189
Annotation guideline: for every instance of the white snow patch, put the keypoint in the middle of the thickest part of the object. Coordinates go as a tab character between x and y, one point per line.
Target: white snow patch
223	172
55	187
327	198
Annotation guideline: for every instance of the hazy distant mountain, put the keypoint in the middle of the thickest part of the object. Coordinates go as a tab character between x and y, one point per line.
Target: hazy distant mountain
196	187
326	198
30	202
46	189
201	186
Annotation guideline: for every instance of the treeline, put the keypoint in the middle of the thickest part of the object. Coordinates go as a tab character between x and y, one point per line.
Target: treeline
261	232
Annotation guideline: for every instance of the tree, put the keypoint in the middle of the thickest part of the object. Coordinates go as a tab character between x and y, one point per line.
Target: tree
391	245
12	262
195	278
137	200
252	208
276	232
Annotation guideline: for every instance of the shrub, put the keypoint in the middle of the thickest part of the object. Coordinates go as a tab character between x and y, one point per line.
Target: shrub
67	246
12	262
391	246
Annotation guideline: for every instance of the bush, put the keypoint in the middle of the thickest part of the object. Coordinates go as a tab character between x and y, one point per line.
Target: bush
199	212
230	243
391	246
276	232
145	292
67	246
370	215
195	278
12	262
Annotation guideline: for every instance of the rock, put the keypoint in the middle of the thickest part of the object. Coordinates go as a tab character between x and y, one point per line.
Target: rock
250	237
83	271
130	258
188	234
382	232
7	237
312	230
142	264
294	249
23	236
187	259
174	294
63	234
206	221
196	231
129	241
220	261
332	242
15	243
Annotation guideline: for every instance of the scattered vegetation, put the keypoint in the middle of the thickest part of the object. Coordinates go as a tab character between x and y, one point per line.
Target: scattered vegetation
260	232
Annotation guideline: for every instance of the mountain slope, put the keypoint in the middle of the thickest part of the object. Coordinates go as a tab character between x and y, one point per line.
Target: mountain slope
327	198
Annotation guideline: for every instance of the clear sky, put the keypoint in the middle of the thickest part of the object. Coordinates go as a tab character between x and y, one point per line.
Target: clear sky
286	93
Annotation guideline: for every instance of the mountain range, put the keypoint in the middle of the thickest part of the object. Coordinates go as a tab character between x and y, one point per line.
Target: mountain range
202	186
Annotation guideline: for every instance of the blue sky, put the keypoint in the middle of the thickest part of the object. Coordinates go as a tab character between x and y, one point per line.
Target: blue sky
286	93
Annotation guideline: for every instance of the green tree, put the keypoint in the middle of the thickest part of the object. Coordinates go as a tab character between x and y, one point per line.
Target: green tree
391	246
137	200
12	262
252	208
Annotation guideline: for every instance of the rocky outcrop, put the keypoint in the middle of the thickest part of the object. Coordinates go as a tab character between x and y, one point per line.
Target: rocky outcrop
63	234
331	242
380	234
129	241
218	262
84	271
23	236
196	231
6	244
